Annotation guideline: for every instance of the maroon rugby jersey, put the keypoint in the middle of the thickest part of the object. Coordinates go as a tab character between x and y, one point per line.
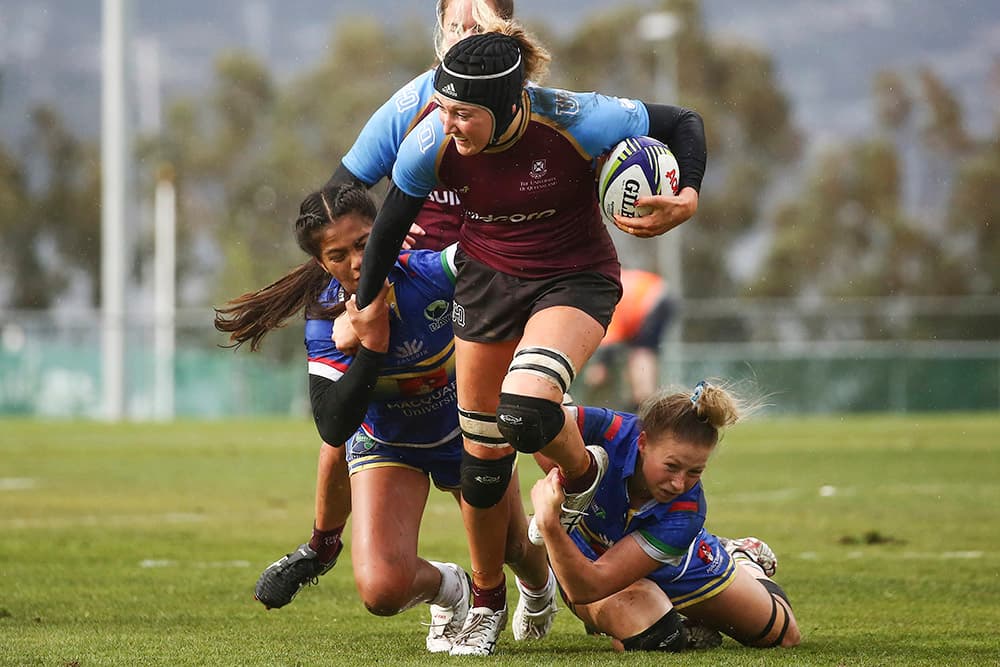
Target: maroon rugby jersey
531	208
441	219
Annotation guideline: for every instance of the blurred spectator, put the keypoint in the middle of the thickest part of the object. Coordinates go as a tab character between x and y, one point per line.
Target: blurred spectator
634	337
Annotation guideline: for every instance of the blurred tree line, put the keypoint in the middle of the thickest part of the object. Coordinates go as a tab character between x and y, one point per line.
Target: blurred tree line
829	223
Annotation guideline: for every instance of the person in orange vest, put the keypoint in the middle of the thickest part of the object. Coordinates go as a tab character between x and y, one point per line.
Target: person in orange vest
636	332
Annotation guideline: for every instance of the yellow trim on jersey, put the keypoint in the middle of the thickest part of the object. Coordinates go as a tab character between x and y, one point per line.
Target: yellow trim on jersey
709	590
439	360
392	302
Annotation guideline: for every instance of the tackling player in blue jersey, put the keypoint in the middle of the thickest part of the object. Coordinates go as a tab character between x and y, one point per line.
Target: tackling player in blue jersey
393	403
436	225
641	552
538	274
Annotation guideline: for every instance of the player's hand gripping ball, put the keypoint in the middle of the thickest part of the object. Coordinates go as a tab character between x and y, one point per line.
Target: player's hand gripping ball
636	167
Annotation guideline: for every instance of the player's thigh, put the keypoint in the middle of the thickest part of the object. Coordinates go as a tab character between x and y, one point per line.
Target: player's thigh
569	330
479	370
628	612
388	504
742	610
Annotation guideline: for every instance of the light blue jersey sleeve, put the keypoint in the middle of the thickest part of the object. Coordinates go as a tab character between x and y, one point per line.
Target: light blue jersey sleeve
415	171
374	152
596	122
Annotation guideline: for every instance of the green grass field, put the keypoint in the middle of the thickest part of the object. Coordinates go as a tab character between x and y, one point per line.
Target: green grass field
140	545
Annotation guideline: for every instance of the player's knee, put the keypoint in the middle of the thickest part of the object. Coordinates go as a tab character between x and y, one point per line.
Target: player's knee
529	423
792	636
485	481
667	634
387	594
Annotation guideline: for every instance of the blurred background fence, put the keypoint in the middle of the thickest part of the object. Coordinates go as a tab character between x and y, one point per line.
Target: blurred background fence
806	356
146	171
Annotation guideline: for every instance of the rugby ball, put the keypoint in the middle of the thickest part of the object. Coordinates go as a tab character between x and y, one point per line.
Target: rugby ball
636	167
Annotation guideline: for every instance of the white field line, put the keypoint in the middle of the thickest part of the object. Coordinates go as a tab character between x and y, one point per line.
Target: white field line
122	520
778	495
205	565
17	483
910	555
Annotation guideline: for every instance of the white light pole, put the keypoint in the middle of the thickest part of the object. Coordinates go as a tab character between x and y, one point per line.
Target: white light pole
660	29
114	157
164	302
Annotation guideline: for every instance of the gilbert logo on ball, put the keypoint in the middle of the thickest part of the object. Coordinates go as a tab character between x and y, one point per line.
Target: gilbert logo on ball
636	167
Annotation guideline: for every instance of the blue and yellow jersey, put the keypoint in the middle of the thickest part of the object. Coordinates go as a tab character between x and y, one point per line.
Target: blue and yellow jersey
672	533
414	403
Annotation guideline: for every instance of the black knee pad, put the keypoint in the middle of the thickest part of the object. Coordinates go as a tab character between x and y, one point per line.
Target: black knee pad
484	482
527	422
667	634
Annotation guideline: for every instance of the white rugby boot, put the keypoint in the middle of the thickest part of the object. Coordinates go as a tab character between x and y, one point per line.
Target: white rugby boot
528	624
574	507
481	631
447	622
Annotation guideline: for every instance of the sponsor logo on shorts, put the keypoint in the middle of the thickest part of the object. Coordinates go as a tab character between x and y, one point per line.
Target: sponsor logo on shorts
362	442
458	315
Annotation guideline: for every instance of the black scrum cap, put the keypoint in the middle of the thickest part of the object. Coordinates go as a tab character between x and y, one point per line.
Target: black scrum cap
485	70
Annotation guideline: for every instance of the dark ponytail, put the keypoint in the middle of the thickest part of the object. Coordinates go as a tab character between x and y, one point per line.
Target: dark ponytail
250	316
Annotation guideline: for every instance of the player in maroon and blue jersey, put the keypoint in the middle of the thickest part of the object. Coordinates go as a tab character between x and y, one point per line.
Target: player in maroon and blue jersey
538	275
641	552
436	226
393	403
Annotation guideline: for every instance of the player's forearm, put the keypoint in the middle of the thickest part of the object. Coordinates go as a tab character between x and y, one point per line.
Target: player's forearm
339	407
683	130
392	223
578	576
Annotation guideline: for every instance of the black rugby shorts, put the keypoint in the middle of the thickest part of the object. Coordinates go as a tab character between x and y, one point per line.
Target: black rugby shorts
492	307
